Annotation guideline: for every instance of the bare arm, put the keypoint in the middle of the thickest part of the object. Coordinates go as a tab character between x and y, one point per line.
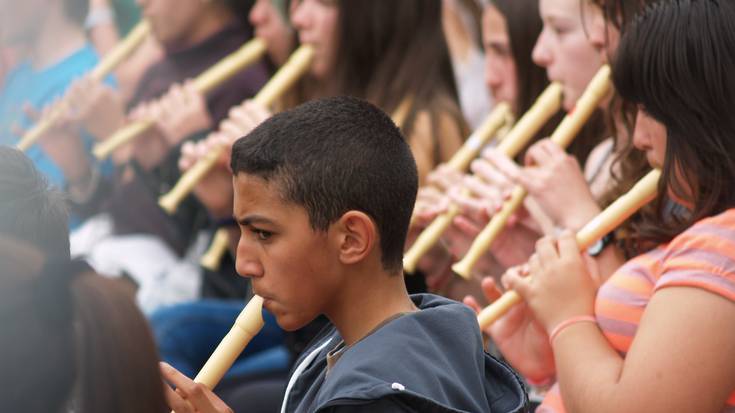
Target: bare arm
680	361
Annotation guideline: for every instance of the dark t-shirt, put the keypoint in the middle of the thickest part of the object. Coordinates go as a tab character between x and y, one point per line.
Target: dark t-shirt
134	205
187	64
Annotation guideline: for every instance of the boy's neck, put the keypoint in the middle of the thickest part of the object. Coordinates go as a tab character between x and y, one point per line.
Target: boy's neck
367	300
56	39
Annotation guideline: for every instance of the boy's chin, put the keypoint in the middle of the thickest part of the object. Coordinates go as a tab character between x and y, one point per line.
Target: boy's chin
292	322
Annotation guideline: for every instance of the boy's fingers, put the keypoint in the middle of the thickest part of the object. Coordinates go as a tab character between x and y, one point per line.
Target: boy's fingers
175	402
188	391
173	375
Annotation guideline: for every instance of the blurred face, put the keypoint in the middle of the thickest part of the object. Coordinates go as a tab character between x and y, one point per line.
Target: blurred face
602	34
317	23
19	20
564	49
291	266
500	68
172	21
649	136
270	26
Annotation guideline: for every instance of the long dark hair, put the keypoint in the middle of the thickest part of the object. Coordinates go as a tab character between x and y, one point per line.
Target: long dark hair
393	50
114	347
677	62
71	338
629	165
619	12
524	26
30	210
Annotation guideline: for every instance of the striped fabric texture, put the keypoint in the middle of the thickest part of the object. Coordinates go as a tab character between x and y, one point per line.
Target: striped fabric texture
703	257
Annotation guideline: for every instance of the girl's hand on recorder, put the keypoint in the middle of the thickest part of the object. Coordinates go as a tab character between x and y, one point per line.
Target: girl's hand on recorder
562	283
555	181
518	335
214	190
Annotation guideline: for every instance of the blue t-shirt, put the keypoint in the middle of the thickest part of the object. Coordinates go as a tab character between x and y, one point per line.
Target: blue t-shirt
24	84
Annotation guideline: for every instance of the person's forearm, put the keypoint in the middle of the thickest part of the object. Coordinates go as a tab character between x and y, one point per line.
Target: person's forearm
588	370
101	25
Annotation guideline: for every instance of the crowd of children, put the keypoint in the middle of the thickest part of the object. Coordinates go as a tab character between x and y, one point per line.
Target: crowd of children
104	302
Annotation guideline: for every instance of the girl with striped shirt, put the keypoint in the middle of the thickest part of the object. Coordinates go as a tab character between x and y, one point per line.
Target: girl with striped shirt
657	335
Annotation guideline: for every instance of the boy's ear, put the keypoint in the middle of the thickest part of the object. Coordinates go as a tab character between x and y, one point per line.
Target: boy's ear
356	236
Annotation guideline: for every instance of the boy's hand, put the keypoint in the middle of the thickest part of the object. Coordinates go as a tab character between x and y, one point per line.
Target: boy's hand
190	397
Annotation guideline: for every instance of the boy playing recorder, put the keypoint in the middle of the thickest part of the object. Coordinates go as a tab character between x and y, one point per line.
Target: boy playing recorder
323	196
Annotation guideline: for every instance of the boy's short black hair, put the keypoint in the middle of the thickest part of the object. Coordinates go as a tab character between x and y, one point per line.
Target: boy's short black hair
29	209
334	155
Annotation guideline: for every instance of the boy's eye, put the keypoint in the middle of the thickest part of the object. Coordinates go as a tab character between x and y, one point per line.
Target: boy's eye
262	235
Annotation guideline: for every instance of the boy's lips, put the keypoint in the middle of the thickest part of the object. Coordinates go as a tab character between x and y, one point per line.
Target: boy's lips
260	293
266	297
266	300
271	306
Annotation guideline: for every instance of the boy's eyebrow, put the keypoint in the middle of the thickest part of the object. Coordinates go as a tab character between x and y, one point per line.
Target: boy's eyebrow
251	219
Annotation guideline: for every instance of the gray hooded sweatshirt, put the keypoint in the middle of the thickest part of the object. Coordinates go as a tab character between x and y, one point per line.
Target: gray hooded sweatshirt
426	361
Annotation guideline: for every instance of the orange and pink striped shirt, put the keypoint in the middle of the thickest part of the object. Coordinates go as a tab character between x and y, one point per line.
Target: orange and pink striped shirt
703	257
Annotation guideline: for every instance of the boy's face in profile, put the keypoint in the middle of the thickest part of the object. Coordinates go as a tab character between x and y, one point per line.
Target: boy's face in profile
294	268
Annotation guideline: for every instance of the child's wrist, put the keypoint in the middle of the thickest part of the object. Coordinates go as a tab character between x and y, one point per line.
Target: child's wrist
568	322
99	14
541	383
580	217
